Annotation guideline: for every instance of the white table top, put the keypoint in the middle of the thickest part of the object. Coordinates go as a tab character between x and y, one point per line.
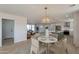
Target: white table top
49	39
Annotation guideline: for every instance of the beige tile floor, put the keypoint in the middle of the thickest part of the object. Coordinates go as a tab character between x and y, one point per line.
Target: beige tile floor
24	48
21	47
7	41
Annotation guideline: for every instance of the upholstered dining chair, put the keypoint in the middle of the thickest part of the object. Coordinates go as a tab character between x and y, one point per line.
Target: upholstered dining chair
35	47
54	35
59	47
36	35
70	48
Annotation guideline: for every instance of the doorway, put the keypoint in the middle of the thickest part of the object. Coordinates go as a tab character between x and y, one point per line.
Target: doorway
7	32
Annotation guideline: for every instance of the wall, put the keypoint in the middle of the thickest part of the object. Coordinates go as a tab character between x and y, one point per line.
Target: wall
0	33
76	28
20	32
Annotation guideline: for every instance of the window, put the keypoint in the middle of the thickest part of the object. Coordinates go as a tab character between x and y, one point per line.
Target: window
30	27
33	27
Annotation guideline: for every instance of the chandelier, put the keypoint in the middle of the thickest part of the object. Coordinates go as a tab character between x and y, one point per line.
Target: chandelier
46	19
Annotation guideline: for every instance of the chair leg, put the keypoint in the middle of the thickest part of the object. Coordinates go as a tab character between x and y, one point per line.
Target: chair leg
30	51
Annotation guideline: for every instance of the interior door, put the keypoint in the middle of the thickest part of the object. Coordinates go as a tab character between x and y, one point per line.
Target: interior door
7	28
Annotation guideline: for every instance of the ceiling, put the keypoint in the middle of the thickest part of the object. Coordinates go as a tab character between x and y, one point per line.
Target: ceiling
35	12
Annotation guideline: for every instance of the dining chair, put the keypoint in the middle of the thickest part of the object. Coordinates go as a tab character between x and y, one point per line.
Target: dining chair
35	47
54	35
36	35
71	49
58	47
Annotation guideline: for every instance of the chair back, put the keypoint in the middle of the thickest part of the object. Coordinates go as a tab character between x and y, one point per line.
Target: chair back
34	46
55	35
36	35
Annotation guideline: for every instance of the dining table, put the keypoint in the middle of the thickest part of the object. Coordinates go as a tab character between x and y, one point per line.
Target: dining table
47	40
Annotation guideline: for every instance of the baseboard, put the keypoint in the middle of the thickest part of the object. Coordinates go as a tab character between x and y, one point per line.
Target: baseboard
8	38
19	41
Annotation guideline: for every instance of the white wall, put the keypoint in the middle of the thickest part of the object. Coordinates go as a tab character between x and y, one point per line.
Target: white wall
20	32
0	33
76	28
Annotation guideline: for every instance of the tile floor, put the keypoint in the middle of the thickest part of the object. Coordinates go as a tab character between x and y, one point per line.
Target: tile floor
24	48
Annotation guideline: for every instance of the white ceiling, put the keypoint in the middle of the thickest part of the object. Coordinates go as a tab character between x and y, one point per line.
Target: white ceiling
35	12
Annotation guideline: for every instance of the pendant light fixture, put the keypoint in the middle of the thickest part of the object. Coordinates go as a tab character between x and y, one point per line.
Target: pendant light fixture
45	18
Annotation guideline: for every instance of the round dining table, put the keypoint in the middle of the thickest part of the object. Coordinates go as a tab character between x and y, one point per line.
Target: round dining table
47	40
